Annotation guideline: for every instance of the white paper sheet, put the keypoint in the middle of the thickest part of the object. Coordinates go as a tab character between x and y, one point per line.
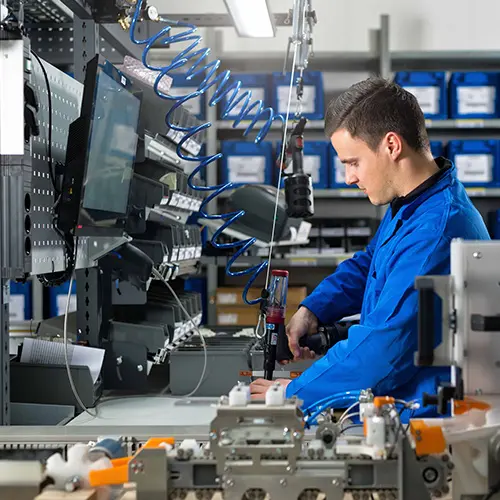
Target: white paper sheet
45	352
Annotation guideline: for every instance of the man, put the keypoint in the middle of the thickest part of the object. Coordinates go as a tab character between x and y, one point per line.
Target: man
378	131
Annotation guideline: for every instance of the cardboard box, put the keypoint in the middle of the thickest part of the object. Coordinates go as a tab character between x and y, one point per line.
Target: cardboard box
233	296
244	315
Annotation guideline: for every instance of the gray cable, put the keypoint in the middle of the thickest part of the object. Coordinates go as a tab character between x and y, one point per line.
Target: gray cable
158	275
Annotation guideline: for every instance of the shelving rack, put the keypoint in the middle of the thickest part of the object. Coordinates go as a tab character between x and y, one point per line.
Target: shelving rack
63	33
379	60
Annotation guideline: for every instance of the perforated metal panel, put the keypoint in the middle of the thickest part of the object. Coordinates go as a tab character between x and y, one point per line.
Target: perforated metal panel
66	94
42	11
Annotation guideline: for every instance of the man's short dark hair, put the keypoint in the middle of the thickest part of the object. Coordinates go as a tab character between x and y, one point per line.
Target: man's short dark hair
371	108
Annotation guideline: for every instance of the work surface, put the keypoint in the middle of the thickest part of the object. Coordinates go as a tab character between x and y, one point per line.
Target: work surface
154	411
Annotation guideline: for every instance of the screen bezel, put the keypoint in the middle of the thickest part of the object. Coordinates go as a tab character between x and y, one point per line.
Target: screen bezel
115	222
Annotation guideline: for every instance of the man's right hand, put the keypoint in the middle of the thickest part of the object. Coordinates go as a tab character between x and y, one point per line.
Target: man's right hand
303	322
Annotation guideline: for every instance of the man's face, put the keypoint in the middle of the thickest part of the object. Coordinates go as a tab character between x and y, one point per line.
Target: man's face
372	171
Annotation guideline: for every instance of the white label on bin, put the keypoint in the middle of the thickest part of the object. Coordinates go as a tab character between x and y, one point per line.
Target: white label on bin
227	319
312	166
476	100
308	99
62	300
474	168
339	168
427	97
257	94
16	307
227	298
246	169
192	105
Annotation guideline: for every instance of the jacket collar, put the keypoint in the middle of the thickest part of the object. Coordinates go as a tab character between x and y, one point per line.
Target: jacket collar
445	177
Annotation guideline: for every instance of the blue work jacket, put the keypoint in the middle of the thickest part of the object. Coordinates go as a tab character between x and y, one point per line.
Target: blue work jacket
379	284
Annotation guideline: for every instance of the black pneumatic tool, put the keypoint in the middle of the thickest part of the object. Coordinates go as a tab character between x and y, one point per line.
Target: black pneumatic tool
298	185
319	343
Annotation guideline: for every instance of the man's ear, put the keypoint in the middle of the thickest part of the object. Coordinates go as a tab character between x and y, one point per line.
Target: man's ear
394	145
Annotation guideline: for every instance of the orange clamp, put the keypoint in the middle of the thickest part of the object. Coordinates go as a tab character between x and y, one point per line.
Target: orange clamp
380	401
118	472
429	440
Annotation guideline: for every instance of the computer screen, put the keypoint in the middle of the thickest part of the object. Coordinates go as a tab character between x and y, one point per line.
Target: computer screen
112	148
102	146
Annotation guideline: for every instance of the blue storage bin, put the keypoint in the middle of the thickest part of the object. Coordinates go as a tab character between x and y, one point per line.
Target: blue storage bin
247	162
21	303
181	86
430	89
58	299
437	149
476	161
316	163
474	95
259	85
313	106
337	172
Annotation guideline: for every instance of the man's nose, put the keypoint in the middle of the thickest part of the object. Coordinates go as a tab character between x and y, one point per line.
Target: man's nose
350	177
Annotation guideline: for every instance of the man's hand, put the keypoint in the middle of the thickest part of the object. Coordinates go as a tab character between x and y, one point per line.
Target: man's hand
303	322
259	387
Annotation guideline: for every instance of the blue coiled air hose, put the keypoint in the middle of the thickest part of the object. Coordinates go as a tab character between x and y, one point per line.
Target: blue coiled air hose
196	59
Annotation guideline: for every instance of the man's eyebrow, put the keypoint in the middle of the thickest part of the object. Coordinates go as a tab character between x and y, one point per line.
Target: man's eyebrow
348	160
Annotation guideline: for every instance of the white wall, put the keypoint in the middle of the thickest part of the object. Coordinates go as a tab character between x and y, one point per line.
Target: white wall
343	25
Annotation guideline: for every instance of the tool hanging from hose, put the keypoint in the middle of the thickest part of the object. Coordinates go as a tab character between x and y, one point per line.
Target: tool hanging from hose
228	94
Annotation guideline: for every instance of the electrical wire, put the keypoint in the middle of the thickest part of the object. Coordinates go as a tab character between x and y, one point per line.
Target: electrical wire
74	390
196	58
55	278
346	414
281	162
49	140
159	276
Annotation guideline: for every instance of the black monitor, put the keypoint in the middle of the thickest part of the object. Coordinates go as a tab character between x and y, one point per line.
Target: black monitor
100	156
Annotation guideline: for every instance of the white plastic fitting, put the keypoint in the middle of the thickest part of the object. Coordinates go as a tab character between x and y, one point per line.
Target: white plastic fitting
74	473
190	445
239	395
275	395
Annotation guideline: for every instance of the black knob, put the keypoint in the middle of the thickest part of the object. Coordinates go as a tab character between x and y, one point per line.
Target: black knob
429	399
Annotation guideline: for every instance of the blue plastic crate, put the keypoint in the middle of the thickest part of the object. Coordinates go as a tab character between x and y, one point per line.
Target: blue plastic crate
476	161
313	106
437	149
259	85
316	162
337	172
21	303
181	86
58	299
430	89
474	95
247	162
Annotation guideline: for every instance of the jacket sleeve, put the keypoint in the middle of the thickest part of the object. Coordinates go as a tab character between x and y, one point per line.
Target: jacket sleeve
341	294
379	354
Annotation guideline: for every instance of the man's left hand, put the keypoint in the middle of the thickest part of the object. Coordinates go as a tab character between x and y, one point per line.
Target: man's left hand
259	387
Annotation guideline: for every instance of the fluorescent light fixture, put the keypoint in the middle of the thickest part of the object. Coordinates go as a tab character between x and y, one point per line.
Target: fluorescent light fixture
252	18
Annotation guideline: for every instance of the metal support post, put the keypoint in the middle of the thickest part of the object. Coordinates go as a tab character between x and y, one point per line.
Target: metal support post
86	45
380	46
214	41
384	50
